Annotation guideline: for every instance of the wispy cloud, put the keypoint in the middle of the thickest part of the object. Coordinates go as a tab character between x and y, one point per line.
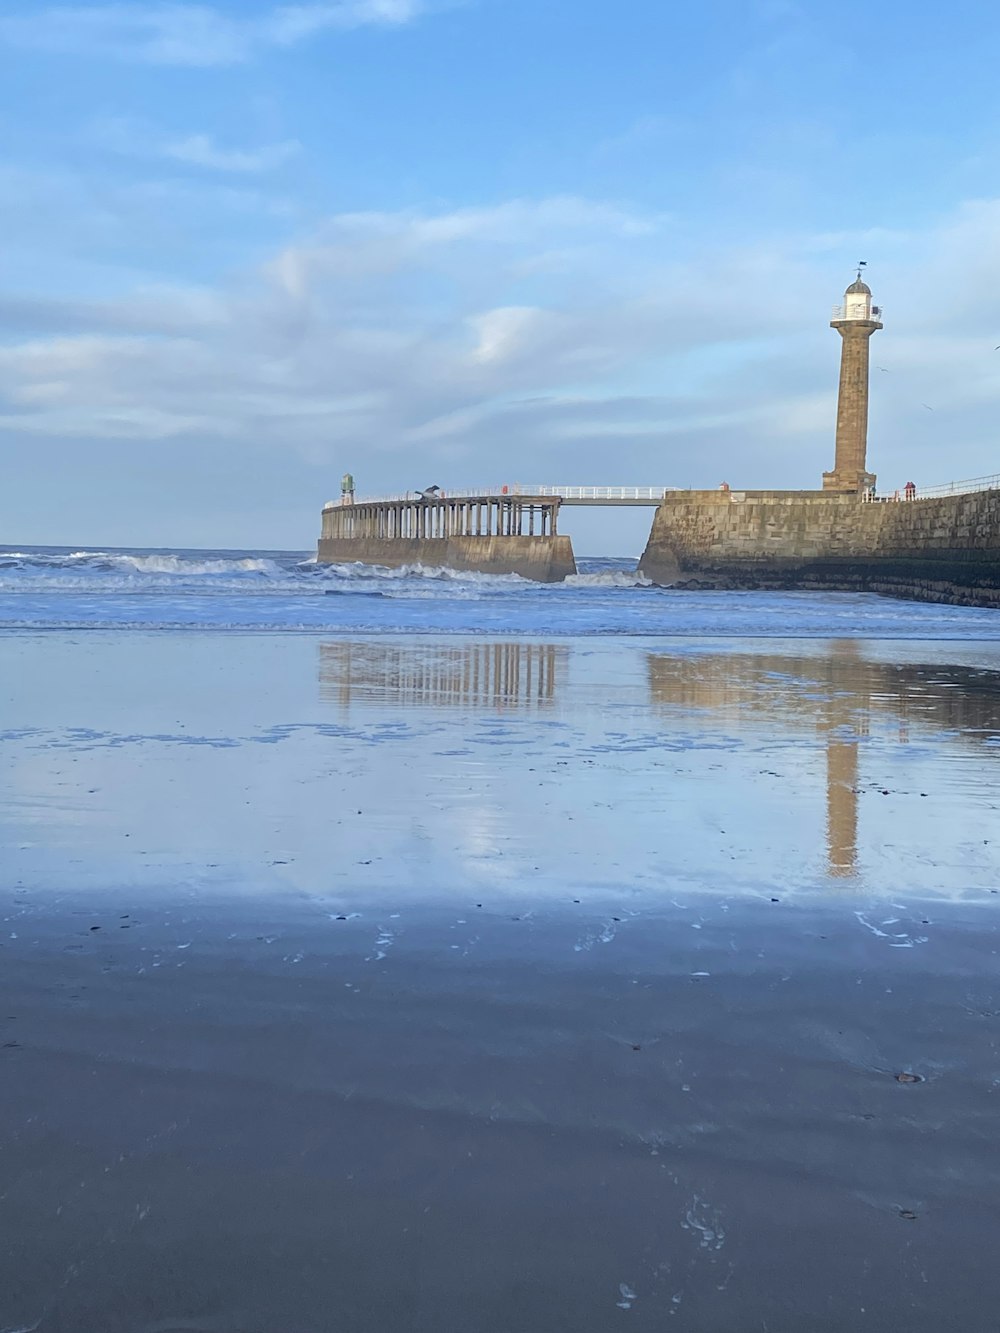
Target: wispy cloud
192	35
199	150
132	137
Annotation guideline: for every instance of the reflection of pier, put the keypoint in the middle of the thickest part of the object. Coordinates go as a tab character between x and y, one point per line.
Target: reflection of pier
836	696
491	674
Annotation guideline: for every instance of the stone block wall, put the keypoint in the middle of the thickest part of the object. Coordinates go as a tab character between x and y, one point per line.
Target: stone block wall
944	549
544	559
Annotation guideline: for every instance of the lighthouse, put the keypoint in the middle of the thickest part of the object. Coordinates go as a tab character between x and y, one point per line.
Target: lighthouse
856	320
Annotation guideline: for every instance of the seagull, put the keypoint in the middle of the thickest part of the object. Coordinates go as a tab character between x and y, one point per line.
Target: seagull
884	369
997	348
429	493
929	409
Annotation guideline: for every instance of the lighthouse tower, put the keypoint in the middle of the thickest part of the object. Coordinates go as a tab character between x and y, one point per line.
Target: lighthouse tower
856	320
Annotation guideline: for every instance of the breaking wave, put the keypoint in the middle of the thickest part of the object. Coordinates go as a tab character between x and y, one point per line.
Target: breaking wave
610	578
210	572
77	565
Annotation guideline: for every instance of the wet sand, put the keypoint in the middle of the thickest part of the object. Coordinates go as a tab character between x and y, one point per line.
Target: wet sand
546	986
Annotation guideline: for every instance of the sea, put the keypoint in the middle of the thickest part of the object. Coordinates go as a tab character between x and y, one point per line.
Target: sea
408	951
165	589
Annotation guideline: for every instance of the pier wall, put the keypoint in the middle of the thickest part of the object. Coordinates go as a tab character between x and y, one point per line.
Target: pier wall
544	559
944	549
482	534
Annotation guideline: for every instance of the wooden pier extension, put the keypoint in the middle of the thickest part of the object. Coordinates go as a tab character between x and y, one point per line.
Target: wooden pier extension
487	534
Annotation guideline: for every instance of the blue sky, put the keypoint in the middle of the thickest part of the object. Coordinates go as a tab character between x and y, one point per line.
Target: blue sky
247	246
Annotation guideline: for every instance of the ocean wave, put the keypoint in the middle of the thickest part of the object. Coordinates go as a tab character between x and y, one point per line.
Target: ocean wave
610	578
175	564
140	563
211	573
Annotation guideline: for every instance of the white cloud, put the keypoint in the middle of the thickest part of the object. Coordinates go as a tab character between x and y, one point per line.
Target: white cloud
133	137
405	334
507	332
201	151
187	34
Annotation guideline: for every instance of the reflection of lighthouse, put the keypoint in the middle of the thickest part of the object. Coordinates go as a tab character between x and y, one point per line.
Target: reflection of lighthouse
856	320
842	803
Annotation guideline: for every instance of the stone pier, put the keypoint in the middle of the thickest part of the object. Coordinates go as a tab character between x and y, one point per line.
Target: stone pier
496	534
940	549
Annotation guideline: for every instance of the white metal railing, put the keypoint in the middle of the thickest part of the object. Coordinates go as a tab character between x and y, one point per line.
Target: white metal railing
518	488
840	312
959	487
910	492
602	492
451	493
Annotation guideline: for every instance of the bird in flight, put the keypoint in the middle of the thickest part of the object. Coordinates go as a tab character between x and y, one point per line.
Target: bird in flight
884	369
929	409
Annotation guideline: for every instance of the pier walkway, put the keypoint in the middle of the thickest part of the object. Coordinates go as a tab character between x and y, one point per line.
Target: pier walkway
645	496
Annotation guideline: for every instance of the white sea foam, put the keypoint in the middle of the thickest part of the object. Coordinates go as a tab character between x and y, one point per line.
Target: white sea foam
610	578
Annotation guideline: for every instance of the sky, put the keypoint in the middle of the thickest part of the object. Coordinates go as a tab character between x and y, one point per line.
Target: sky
245	247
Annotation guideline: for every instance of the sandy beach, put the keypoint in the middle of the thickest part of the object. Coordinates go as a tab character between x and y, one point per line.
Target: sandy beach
422	984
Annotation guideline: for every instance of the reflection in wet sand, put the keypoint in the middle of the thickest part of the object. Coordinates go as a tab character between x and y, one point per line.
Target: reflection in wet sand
837	695
485	674
792	686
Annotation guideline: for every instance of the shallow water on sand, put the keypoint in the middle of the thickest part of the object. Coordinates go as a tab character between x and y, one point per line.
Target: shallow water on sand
544	982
